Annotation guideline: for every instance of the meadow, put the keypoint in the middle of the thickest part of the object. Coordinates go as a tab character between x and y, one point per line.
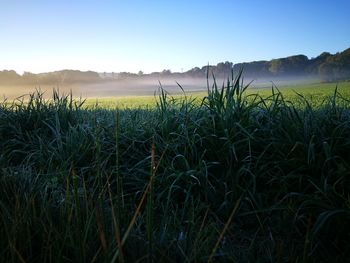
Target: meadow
314	92
233	175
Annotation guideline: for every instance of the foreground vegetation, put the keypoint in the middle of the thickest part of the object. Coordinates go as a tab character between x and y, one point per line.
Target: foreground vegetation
237	177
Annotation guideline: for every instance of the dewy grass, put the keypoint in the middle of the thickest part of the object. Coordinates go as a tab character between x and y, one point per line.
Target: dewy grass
315	93
236	177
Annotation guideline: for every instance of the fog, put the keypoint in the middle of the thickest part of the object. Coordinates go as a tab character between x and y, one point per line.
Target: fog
115	88
143	86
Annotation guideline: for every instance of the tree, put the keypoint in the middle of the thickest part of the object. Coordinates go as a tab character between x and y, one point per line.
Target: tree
9	77
326	73
166	72
276	66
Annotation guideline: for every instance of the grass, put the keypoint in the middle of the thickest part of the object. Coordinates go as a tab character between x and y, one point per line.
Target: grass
236	177
314	92
131	102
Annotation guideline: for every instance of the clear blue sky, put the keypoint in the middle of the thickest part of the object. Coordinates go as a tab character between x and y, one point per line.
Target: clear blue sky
151	35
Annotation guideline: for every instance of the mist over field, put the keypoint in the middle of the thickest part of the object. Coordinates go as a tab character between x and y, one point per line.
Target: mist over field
142	87
148	87
288	71
117	88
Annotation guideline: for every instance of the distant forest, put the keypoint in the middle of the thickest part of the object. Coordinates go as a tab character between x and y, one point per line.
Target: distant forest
326	67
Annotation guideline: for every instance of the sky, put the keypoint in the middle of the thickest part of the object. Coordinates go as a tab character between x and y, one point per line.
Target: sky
129	35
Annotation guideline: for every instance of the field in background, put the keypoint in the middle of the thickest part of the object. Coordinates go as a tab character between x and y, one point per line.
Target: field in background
127	95
315	92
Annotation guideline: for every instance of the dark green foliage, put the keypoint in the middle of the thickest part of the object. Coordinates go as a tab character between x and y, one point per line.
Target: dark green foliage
326	67
10	77
238	178
336	67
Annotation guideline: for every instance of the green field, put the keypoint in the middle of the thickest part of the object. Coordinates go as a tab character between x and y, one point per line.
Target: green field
315	92
235	177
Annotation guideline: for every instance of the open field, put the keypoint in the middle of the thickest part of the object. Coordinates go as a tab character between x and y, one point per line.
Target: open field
313	92
237	178
105	89
130	95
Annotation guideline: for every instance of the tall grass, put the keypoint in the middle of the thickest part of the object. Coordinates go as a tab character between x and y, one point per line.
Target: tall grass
237	178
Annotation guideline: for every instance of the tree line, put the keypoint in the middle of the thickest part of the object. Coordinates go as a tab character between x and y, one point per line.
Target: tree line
327	67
